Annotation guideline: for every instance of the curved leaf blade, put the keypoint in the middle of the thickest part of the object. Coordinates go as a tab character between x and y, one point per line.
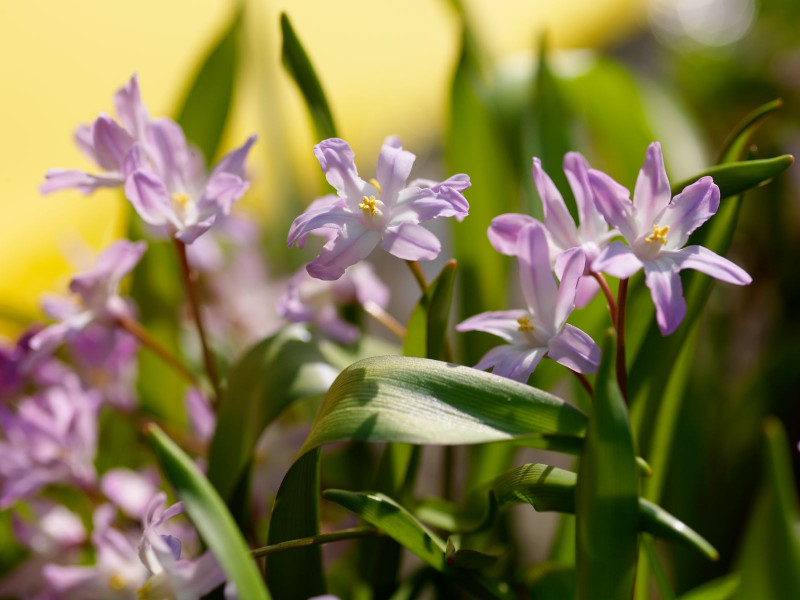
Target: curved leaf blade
736	142
737	177
427	327
209	515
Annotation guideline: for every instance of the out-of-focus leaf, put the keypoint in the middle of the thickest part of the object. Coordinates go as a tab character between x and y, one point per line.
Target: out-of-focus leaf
606	495
421	401
274	373
769	562
474	146
297	574
466	558
723	588
299	66
660	577
550	581
205	107
734	145
209	515
735	178
426	333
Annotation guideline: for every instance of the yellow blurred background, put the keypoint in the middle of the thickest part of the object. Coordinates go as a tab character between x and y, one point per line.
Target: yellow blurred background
386	67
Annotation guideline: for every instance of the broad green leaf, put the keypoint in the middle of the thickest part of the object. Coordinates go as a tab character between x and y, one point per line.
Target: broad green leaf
723	588
734	145
769	562
466	558
297	574
426	333
422	401
205	107
735	178
208	514
606	495
274	373
299	66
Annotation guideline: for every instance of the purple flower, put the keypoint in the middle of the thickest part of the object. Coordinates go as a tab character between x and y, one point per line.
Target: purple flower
130	490
383	210
656	227
591	235
310	300
50	438
202	418
97	291
541	329
106	143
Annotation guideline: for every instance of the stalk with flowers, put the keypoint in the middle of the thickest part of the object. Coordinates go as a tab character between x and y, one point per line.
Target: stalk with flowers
111	496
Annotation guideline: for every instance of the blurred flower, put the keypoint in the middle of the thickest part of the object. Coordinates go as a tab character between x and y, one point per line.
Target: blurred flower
656	229
202	417
99	301
51	437
590	236
310	300
382	210
541	329
130	490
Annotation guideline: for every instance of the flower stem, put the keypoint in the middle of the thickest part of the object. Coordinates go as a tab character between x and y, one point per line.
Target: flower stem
376	311
324	538
140	333
622	372
416	271
585	383
612	305
189	279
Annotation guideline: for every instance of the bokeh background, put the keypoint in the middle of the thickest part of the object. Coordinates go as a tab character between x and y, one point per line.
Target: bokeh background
681	71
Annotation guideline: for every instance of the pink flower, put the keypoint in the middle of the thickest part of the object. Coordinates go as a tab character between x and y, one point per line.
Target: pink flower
382	211
541	328
656	228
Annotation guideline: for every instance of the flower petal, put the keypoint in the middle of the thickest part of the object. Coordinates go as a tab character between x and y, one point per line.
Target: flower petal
233	162
171	154
336	160
557	219
329	216
695	205
394	167
62	179
502	323
592	226
130	109
130	490
415	205
150	199
514	362
353	244
587	290
573	262
410	241
613	202
189	233
575	350
329	321
652	193
708	262
504	231
618	260
536	278
111	143
664	281
221	191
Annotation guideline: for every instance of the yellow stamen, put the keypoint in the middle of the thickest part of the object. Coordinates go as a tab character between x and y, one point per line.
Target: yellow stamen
525	323
180	198
368	205
659	234
377	185
116	582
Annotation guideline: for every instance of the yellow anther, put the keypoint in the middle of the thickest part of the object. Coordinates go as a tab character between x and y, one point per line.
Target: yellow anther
659	234
368	205
180	198
376	185
116	582
525	323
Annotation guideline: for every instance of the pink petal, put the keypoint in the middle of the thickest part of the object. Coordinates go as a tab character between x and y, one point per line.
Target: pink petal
513	362
189	233
618	260
502	323
114	263
704	260
221	191
573	262
536	278
111	143
504	231
394	167
170	152
422	204
132	112
575	350
664	281
557	219
587	289
336	160
652	193
327	217
695	205
150	198
353	244
411	242
329	321
129	490
613	202
233	162
62	179
201	415
592	226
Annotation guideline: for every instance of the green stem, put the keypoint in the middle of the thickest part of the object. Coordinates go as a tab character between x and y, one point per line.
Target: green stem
416	271
662	582
324	538
622	371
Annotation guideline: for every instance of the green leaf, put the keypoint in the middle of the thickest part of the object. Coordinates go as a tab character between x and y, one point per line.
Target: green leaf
297	574
422	401
299	66
770	558
466	558
606	495
738	177
205	107
722	588
734	145
426	333
209	515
